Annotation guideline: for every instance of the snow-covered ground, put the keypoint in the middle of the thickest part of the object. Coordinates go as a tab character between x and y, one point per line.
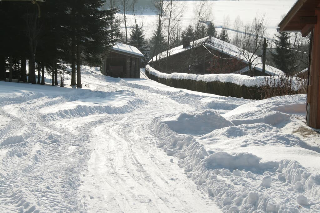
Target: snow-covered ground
133	145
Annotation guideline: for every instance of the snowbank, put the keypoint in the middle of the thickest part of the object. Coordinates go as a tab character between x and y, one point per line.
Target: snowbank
241	181
230	78
199	123
224	78
233	85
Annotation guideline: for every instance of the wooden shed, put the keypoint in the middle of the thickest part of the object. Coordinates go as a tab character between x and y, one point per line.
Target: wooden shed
304	17
122	61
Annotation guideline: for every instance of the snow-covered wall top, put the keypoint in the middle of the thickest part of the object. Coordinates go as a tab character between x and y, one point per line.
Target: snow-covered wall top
127	49
225	78
231	78
226	48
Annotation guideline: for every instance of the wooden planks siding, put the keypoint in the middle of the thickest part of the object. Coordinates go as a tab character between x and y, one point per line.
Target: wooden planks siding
313	116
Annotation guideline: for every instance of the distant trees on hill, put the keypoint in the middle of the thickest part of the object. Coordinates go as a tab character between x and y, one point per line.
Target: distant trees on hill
68	31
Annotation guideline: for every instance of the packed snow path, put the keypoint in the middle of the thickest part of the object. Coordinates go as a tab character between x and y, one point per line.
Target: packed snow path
66	150
138	146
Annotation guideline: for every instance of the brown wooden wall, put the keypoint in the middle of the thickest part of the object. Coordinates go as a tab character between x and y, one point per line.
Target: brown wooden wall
121	65
313	100
199	60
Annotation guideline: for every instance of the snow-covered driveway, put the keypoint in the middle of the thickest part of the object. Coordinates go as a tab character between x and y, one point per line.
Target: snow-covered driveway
65	150
138	146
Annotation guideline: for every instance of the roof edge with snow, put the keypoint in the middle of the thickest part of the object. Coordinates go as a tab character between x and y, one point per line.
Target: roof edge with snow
127	49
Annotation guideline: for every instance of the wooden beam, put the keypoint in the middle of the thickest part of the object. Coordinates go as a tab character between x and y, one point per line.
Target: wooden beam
309	95
294	10
313	114
308	19
307	29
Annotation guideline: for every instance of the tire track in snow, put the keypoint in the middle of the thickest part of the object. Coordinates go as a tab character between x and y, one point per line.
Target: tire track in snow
30	174
126	174
129	174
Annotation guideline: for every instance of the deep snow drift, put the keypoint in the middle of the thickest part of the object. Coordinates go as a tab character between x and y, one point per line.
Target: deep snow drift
121	145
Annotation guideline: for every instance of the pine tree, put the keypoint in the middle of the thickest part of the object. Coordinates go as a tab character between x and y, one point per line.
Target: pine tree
158	42
284	57
188	34
211	30
137	40
13	40
200	32
224	35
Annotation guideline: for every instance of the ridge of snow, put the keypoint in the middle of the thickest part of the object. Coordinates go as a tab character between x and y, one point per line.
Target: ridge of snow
231	78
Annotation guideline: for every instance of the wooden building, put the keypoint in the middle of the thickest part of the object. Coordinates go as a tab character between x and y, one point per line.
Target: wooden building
304	16
210	56
122	61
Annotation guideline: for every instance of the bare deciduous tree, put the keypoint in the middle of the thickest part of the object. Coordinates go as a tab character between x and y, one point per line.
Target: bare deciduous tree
125	5
252	41
238	25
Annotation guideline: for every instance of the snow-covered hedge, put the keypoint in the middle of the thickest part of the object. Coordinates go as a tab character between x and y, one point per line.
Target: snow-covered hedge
234	85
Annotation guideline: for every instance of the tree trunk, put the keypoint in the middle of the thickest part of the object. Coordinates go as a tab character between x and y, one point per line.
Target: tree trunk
23	70
73	51
42	79
125	19
39	71
32	34
168	42
79	85
32	76
250	68
52	74
61	83
2	68
10	68
56	74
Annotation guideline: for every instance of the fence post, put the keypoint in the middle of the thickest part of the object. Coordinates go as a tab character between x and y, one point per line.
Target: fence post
264	56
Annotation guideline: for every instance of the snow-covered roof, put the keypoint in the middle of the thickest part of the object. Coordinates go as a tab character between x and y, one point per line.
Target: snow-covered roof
226	48
125	48
302	71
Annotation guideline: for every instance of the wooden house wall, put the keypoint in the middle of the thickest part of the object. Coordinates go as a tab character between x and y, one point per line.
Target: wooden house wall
121	65
198	61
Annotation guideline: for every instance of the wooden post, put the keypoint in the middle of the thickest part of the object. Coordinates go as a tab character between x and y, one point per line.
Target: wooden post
313	109
264	56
